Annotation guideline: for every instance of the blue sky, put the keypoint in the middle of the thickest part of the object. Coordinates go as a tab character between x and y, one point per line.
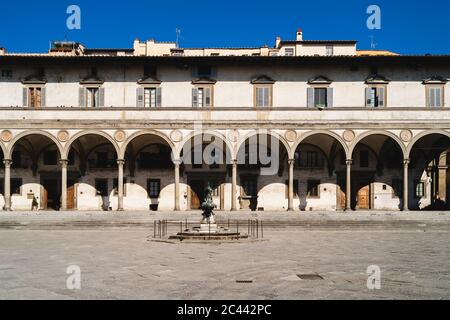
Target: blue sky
408	27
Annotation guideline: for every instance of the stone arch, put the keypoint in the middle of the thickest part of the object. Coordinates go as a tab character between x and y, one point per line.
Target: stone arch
366	134
3	149
270	133
317	132
169	142
90	132
422	135
21	135
210	132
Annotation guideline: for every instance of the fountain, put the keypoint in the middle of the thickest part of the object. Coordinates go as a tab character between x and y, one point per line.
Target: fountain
208	229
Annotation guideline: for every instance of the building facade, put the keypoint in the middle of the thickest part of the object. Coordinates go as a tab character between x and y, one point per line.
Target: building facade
301	126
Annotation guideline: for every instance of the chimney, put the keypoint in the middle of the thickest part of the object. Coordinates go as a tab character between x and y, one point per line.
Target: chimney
277	42
299	36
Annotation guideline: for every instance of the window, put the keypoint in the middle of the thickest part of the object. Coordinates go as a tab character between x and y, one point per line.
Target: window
289	52
320	97
50	157
313	188
419	188
263	96
295	189
92	97
148	97
153	188
375	96
435	96
397	188
16	184
6	74
101	185
35	97
329	50
364	158
202	97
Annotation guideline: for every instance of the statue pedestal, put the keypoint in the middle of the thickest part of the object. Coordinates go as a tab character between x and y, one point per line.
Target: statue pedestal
207	228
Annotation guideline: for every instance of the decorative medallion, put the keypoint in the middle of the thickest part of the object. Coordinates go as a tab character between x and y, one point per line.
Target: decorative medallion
233	136
63	136
348	135
290	135
176	136
120	136
406	135
6	136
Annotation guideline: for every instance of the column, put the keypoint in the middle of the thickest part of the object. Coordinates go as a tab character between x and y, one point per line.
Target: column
120	164
177	184
291	185
63	163
348	185
442	176
234	186
7	191
405	184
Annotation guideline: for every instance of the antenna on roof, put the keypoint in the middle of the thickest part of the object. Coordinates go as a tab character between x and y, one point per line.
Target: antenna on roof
373	44
178	32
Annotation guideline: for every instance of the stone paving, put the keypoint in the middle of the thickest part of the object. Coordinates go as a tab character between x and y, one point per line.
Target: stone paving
125	263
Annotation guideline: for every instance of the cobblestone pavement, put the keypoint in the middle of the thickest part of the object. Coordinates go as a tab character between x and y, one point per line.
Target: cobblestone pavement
125	262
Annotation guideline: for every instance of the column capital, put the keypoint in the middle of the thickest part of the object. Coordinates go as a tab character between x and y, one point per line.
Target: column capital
7	162
406	162
120	162
177	162
63	162
291	162
349	162
234	162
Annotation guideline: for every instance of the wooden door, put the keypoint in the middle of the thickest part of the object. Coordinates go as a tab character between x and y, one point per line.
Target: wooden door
364	198
342	198
197	191
249	198
44	198
71	197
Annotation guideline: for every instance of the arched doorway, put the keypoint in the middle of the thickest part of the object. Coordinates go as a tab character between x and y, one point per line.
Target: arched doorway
377	174
429	172
206	160
149	181
35	174
320	173
263	173
92	173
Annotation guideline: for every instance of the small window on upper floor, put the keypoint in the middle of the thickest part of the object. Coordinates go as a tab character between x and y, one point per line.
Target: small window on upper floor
148	97
376	96
320	97
7	74
34	97
202	96
329	50
263	96
289	52
92	97
435	96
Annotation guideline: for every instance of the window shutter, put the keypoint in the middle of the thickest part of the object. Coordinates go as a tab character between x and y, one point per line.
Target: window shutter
329	97
25	97
310	94
140	97
101	97
368	97
194	97
431	97
207	97
259	97
266	97
381	95
82	97
158	97
43	97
